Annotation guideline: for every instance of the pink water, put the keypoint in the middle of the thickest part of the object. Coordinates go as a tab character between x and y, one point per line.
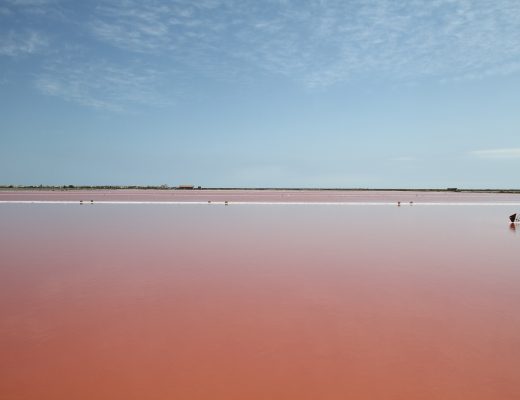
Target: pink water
259	302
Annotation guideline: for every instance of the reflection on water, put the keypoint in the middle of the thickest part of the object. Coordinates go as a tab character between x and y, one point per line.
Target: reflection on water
258	302
512	227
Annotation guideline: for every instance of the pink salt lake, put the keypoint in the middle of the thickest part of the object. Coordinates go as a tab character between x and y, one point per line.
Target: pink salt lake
329	295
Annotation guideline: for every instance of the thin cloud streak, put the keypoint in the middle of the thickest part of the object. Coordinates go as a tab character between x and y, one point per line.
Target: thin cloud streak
29	3
510	153
20	43
102	85
28	7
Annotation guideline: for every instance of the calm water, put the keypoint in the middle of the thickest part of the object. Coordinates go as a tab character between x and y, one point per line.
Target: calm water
259	302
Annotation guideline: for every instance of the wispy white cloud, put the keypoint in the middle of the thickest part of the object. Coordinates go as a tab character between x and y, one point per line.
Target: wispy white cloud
324	42
38	7
27	3
137	29
317	43
102	85
505	69
509	153
19	43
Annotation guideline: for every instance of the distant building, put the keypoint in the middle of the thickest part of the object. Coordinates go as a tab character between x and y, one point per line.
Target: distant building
452	189
186	187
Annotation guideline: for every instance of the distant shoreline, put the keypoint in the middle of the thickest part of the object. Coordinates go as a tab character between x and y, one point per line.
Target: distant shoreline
68	188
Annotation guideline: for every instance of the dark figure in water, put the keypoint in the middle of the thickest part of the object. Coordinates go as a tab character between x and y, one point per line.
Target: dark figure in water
512	217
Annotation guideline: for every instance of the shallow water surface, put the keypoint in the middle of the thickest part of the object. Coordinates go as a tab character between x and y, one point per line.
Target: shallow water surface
259	302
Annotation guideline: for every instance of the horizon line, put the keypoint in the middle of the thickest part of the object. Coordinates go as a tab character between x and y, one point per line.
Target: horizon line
197	188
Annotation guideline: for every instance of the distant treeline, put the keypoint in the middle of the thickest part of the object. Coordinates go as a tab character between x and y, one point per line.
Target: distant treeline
83	187
189	187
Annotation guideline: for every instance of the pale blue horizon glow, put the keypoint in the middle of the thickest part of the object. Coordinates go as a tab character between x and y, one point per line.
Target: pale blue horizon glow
273	93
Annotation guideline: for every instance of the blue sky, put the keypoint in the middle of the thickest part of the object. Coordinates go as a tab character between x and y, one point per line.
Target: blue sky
276	93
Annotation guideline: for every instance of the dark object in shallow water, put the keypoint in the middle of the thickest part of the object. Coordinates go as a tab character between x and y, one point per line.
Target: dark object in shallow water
513	218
